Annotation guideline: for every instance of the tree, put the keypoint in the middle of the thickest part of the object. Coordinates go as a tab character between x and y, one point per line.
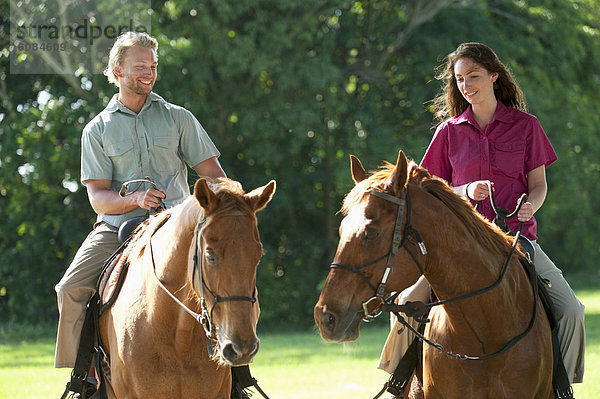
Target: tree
287	90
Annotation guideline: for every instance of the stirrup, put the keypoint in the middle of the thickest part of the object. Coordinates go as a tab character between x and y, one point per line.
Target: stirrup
392	386
396	387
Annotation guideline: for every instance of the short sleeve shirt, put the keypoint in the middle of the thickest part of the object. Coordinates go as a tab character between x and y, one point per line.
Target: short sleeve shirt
512	145
120	145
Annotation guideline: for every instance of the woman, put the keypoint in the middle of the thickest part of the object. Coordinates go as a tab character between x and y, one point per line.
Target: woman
490	141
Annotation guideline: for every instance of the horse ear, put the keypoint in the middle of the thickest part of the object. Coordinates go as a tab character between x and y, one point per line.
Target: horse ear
399	175
207	199
358	171
260	197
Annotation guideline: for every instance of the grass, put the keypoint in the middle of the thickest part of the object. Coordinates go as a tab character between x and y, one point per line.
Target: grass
295	365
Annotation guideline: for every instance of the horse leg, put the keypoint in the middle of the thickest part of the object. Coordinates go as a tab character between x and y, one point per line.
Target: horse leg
415	390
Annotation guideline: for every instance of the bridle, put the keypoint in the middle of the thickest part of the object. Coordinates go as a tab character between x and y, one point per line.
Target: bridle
204	317
399	240
207	323
419	310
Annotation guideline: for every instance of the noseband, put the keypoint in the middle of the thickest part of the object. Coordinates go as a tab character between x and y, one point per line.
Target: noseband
399	240
205	317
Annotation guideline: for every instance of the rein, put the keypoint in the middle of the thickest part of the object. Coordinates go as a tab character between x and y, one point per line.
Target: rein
205	317
419	310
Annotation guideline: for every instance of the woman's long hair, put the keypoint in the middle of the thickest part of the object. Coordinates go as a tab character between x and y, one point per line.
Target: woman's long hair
450	102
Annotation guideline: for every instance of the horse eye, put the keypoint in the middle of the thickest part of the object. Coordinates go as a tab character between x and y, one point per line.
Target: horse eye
211	257
370	234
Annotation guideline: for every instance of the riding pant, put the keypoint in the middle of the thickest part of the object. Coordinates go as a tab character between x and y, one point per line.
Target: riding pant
77	286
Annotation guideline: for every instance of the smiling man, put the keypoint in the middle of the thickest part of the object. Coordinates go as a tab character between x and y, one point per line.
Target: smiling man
137	135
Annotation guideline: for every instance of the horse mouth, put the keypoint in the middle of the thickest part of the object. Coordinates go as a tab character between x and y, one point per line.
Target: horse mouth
338	327
238	354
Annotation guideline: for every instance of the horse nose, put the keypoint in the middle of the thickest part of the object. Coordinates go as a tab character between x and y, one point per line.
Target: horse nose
237	355
328	321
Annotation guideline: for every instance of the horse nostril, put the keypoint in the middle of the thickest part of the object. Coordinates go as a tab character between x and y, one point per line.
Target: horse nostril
329	321
254	350
231	352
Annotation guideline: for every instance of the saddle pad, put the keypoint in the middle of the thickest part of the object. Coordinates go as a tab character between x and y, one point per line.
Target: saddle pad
111	283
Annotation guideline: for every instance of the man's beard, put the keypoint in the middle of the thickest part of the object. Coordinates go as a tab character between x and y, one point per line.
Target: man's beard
134	86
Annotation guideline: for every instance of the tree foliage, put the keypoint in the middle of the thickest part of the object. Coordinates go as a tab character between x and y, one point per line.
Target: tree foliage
287	90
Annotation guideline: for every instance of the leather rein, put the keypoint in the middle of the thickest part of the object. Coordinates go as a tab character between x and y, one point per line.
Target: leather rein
419	310
204	317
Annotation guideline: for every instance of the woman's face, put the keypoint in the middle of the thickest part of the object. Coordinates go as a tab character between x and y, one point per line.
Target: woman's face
475	83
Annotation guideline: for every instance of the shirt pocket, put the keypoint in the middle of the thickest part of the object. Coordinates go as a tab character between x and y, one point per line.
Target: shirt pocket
510	157
165	155
122	157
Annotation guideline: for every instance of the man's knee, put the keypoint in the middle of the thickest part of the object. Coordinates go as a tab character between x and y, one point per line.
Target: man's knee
69	295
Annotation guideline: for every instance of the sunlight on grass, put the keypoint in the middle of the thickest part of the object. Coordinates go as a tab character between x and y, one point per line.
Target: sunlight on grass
312	368
591	385
297	365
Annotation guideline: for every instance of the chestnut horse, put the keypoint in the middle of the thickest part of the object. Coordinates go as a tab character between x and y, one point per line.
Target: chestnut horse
438	235
200	256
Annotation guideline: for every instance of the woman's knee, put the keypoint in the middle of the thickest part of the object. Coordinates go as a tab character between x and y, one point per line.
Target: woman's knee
571	312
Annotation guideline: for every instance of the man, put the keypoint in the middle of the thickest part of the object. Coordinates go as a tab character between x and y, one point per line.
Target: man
138	134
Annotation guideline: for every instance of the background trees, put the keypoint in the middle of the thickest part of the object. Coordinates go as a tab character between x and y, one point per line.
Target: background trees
287	90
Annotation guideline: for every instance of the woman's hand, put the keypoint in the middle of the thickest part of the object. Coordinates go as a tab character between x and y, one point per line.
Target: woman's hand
526	212
479	190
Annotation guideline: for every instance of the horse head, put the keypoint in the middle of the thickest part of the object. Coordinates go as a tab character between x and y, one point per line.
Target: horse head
228	250
367	232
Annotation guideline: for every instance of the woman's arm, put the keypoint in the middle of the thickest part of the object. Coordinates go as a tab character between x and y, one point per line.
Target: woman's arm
537	189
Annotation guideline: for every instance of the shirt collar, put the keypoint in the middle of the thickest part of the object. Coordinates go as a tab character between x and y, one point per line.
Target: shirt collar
502	114
115	105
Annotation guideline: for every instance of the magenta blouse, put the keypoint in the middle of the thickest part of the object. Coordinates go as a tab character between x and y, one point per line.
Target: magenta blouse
512	145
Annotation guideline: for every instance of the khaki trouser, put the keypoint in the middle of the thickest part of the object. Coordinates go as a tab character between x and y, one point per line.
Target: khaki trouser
77	286
569	312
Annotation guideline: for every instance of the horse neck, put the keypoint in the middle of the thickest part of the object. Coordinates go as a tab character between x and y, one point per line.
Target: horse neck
171	246
459	263
170	255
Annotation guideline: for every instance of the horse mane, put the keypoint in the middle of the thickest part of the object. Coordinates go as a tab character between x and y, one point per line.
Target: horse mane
229	193
487	233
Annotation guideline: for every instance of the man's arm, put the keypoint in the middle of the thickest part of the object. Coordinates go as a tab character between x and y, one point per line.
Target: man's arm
210	168
106	201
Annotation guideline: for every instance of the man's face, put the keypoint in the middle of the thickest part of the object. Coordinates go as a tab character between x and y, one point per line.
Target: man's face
137	73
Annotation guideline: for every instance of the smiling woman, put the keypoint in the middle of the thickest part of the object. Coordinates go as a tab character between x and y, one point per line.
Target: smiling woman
477	87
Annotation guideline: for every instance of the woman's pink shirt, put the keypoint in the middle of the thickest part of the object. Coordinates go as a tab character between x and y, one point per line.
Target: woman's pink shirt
512	145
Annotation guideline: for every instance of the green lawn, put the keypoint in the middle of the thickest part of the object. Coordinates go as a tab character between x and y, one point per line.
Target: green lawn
289	365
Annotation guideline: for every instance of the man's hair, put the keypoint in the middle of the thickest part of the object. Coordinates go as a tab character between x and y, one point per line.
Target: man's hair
119	51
